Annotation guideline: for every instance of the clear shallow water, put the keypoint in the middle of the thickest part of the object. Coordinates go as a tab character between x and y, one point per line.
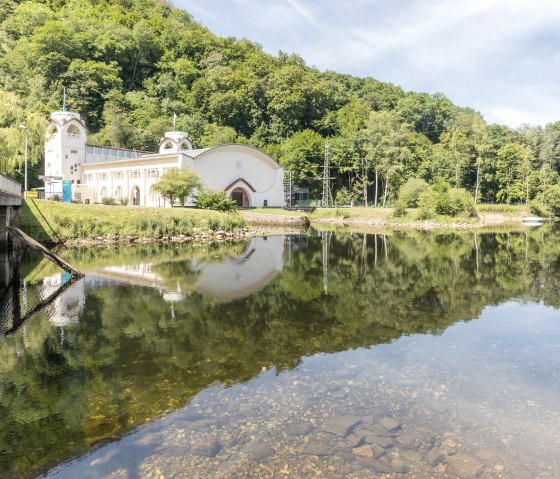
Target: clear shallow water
411	355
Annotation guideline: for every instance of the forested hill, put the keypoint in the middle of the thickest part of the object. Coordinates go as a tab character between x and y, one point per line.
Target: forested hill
128	66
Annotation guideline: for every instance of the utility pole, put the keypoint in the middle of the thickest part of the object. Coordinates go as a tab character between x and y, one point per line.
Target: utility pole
23	127
326	199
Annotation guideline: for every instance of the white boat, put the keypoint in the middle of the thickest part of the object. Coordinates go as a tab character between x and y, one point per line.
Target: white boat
533	221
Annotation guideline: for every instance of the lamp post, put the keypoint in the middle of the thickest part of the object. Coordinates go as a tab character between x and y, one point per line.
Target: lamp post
26	155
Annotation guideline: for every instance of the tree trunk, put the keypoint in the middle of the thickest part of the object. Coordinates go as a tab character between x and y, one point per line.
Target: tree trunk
477	184
386	188
376	186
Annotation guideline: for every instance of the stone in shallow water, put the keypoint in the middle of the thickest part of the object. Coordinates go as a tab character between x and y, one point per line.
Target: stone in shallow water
261	452
374	464
364	451
389	423
384	442
400	467
411	455
206	447
299	429
435	457
317	449
466	467
378	430
342	425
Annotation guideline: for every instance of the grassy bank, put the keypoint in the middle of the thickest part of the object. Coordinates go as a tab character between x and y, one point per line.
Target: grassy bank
487	215
54	222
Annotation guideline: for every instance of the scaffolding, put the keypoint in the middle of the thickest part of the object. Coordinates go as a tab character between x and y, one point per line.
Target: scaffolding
326	198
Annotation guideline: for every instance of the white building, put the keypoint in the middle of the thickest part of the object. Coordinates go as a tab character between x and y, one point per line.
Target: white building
247	174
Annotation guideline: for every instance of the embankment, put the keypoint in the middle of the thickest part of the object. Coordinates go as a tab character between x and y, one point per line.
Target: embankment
51	222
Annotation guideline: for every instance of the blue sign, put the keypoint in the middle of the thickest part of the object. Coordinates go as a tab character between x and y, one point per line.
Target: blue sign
67	191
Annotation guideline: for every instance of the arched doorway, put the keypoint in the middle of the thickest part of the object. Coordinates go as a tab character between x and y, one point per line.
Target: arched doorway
135	196
240	196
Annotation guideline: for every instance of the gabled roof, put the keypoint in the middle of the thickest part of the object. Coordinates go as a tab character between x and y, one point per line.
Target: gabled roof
240	180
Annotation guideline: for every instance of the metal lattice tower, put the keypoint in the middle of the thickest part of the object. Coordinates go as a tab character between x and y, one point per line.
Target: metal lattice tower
326	198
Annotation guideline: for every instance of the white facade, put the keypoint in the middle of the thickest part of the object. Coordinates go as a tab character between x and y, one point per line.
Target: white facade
65	149
248	175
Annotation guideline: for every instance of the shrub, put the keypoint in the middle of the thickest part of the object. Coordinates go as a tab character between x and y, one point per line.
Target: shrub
409	192
344	197
552	199
399	209
107	200
538	208
123	201
445	201
214	200
462	203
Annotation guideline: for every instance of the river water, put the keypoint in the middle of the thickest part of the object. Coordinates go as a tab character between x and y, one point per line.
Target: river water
332	354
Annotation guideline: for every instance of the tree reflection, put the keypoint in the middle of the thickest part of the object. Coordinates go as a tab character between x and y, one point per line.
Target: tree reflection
128	359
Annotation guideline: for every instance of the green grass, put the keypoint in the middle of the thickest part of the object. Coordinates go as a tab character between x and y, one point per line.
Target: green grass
54	222
507	210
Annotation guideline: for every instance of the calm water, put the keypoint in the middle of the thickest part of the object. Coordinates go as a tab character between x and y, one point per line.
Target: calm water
324	355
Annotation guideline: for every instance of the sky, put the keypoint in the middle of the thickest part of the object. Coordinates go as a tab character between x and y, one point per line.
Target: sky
500	57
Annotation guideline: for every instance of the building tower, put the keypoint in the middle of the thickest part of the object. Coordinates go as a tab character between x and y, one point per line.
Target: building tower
65	150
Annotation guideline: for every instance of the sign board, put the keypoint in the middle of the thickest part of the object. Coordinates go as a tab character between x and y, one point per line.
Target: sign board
50	178
32	194
67	191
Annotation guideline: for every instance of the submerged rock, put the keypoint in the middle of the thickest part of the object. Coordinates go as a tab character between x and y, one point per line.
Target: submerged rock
206	447
342	425
466	467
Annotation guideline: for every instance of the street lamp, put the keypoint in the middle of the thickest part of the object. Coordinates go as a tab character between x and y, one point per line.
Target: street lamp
26	154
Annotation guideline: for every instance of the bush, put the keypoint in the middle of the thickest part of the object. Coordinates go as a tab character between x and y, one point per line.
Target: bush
344	197
445	201
106	200
552	199
214	200
123	201
399	209
538	208
409	192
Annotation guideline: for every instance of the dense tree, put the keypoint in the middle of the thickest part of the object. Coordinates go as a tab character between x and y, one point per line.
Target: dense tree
128	67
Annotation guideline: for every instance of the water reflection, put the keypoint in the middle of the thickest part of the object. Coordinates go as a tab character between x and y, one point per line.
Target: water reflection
150	331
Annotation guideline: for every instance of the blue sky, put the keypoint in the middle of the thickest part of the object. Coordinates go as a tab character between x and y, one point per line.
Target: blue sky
500	57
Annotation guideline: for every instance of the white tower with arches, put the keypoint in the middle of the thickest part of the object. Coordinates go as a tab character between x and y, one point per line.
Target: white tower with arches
65	150
175	142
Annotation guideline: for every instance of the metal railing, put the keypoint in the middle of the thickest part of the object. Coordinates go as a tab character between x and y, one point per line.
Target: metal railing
7	185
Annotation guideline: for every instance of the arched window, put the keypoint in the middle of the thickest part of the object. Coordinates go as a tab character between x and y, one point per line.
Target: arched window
103	193
73	130
169	146
52	130
118	193
185	145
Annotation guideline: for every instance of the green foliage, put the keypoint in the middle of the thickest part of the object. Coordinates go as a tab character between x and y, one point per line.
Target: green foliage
409	192
344	197
129	66
538	208
302	154
176	184
513	167
552	199
446	201
108	201
218	200
399	208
